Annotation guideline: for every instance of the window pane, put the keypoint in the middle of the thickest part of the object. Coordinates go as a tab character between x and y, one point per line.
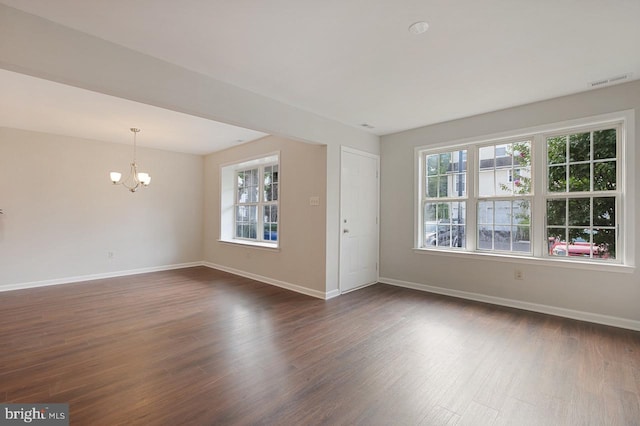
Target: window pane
485	212
502	212
521	212
557	238
443	213
557	150
557	178
486	157
580	243
580	147
604	241
252	185
460	185
432	165
485	237
458	236
604	211
521	239
432	187
502	238
604	176
443	184
557	212
430	213
579	177
445	163
485	183
522	180
579	212
504	181
604	144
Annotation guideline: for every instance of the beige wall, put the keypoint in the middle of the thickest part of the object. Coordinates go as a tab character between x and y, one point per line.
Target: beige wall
63	216
43	49
614	294
300	260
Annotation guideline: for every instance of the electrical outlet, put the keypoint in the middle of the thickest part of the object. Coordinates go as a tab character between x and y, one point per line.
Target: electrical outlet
110	255
518	274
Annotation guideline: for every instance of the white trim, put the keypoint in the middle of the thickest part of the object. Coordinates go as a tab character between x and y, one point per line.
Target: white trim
527	306
249	243
92	277
361	287
331	294
267	280
525	258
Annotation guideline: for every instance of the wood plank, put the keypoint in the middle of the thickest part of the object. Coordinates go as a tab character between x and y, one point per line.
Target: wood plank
200	346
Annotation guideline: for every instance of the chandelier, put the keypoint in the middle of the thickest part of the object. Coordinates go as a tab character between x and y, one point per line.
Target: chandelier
135	179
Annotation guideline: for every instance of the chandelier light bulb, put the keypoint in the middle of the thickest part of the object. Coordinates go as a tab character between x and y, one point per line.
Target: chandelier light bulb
115	177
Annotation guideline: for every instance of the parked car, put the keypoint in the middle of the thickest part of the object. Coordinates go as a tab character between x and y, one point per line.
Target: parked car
578	247
444	238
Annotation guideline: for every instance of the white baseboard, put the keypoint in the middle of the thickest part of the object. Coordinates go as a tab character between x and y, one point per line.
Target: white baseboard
92	277
545	309
277	283
333	293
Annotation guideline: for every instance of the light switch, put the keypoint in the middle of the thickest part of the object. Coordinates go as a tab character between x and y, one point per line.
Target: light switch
314	201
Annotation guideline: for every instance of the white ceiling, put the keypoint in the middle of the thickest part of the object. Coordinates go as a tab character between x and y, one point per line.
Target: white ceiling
44	106
355	61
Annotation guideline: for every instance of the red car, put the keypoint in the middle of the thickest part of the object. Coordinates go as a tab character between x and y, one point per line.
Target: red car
577	248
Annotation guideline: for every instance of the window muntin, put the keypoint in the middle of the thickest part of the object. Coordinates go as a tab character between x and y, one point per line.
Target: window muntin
580	169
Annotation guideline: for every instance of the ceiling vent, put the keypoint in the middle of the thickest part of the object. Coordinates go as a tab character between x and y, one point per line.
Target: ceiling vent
611	80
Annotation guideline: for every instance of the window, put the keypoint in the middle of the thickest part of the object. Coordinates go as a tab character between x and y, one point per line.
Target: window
582	194
249	202
443	201
554	193
504	197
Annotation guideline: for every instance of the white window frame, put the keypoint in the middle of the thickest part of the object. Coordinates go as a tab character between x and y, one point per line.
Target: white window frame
625	155
229	200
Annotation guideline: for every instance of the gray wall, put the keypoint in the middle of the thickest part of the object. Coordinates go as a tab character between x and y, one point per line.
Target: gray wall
63	216
605	293
300	259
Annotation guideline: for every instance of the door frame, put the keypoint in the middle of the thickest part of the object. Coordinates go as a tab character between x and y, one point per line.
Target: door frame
376	157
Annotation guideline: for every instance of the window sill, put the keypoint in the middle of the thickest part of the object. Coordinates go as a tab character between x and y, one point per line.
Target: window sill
547	262
256	244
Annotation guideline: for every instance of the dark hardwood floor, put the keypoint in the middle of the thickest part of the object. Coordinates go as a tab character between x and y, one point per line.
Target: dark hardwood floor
199	346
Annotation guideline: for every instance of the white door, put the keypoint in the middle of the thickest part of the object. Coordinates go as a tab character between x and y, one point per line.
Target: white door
359	193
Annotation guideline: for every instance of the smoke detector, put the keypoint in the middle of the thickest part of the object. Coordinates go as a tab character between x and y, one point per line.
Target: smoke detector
418	27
